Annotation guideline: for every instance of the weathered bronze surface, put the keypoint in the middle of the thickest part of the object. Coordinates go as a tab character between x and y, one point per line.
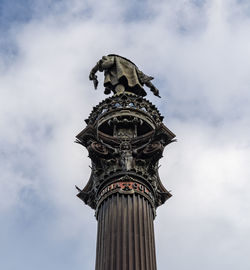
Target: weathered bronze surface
121	75
125	138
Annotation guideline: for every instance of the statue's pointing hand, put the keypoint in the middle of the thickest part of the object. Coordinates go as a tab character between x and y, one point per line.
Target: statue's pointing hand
153	88
155	91
93	78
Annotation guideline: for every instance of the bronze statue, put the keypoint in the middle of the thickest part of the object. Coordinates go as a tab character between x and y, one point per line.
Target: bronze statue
121	75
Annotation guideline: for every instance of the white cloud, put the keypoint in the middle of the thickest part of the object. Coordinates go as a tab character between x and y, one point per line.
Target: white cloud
198	56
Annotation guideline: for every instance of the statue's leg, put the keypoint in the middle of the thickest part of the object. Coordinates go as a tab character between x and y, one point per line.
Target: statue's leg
107	91
119	89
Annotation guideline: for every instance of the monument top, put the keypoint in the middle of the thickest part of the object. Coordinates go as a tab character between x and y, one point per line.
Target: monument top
121	75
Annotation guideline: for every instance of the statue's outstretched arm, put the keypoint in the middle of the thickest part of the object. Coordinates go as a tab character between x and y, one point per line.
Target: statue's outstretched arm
145	79
104	64
92	75
152	88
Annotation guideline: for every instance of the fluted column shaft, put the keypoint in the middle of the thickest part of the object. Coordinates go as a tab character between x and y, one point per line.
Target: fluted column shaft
125	237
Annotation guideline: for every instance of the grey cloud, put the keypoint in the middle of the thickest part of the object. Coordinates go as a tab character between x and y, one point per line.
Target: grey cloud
203	78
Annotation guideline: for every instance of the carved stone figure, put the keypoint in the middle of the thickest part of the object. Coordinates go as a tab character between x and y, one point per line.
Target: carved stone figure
121	75
126	156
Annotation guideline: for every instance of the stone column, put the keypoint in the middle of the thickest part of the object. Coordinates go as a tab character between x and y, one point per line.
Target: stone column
125	138
125	237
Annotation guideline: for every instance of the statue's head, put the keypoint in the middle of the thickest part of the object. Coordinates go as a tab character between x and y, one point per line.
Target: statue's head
123	58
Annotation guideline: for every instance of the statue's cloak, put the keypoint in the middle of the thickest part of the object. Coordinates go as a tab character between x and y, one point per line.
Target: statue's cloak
119	70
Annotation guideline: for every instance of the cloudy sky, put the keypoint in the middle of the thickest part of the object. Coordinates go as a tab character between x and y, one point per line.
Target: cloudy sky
199	53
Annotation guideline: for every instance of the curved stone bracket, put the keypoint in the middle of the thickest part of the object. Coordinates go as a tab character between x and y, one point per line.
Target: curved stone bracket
125	137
